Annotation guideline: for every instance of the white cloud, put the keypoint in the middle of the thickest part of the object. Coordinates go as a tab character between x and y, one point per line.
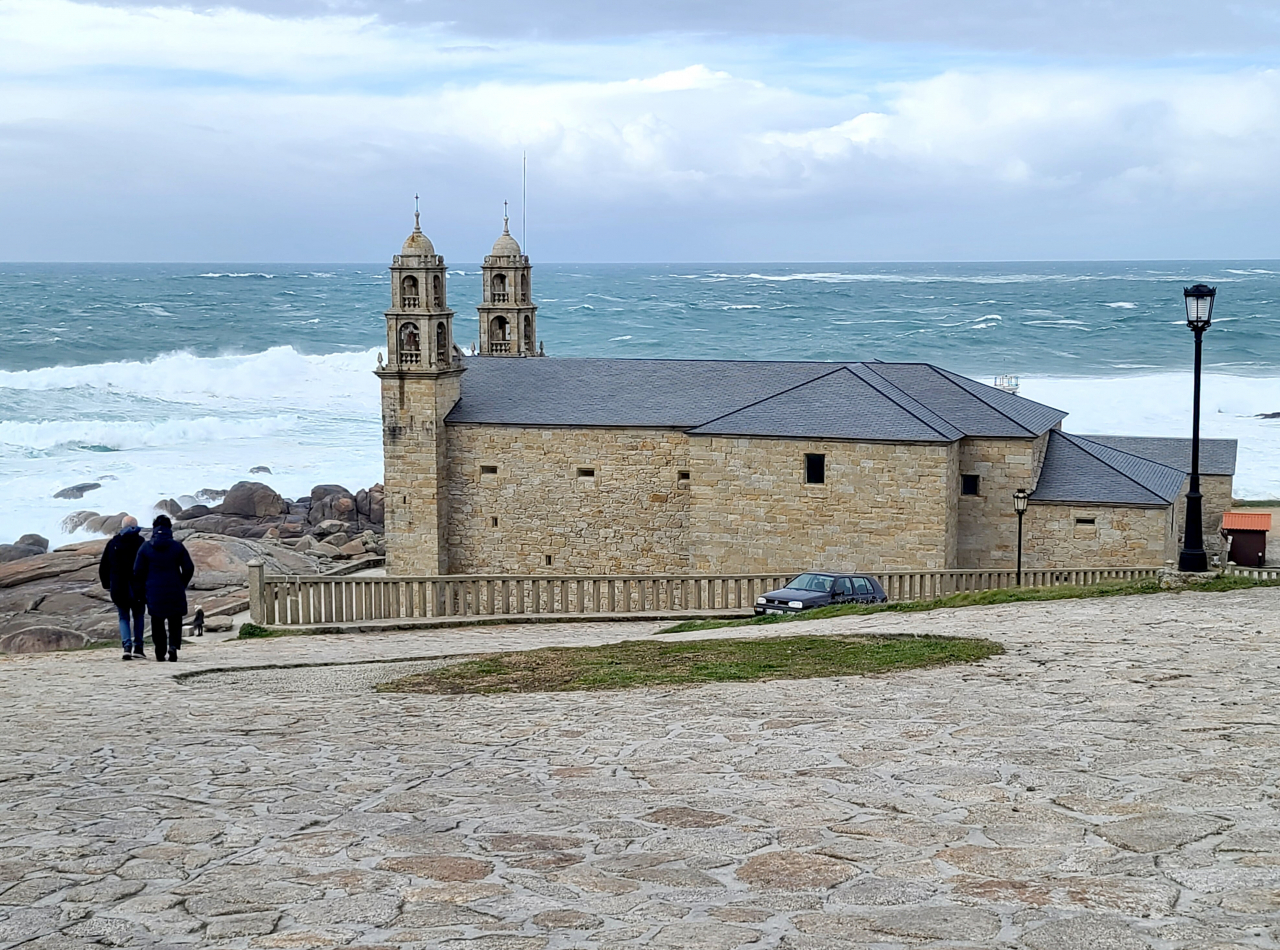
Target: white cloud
300	138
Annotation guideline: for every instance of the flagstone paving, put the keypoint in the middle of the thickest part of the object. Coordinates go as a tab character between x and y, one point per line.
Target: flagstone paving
1110	783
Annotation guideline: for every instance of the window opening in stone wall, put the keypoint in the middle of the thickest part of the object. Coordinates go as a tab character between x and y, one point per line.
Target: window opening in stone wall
498	289
682	475
410	351
442	346
1086	521
524	288
969	484
488	470
493	522
437	293
548	560
498	340
586	473
815	468
528	335
409	292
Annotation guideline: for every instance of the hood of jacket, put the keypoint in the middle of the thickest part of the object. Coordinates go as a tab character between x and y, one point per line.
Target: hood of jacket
161	537
132	529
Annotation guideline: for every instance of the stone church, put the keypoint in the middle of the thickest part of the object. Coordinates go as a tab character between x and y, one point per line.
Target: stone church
509	461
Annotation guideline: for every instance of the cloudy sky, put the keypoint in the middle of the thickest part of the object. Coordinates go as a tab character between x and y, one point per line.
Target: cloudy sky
666	130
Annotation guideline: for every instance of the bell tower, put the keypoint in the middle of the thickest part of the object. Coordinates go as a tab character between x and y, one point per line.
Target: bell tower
508	317
421	383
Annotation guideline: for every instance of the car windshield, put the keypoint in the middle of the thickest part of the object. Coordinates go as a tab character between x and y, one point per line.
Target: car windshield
818	582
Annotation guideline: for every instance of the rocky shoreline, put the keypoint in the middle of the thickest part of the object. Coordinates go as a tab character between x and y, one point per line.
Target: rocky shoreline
52	600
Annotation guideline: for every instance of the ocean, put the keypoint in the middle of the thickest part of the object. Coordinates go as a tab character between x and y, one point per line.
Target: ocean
158	380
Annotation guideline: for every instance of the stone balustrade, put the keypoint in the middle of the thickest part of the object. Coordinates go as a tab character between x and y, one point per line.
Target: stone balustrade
285	600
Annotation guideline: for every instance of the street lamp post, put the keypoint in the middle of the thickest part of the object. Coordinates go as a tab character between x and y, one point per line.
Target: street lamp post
1020	499
1199	301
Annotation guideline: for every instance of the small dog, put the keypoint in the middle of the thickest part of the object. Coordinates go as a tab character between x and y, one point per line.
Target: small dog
197	625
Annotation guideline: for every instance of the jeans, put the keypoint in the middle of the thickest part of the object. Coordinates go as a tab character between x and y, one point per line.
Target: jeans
169	640
131	638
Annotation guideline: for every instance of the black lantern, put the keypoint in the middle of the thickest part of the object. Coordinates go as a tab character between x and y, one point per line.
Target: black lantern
1020	499
1192	557
1199	300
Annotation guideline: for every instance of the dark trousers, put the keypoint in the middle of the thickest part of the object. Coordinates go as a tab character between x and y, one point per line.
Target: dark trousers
166	633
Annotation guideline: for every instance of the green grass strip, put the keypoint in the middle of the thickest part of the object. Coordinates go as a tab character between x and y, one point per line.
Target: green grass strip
983	598
635	663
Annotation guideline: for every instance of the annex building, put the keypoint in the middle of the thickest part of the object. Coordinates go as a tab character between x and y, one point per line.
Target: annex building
510	461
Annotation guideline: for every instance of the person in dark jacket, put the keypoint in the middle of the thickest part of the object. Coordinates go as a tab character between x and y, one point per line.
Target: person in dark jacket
116	573
161	572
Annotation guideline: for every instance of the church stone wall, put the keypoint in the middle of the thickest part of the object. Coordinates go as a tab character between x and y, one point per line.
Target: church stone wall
1119	536
630	516
883	506
988	526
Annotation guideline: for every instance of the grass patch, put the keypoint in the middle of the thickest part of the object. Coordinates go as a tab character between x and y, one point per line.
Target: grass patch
1011	595
250	631
1256	503
635	663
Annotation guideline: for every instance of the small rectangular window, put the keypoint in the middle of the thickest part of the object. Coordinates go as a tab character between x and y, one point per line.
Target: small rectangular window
682	476
548	559
1086	521
488	470
969	485
815	468
586	473
493	522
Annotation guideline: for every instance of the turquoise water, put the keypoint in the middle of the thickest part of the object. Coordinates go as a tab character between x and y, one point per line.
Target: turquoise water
159	380
1037	319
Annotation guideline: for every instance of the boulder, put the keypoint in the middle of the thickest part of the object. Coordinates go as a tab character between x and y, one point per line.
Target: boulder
323	491
15	552
325	550
306	543
34	541
169	506
41	638
353	548
260	470
224	562
195	511
334	503
76	520
325	528
209	495
338	539
252	500
188	501
106	524
77	491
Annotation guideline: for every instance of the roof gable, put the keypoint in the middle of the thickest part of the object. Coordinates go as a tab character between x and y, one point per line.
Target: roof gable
840	405
1217	456
1081	471
910	400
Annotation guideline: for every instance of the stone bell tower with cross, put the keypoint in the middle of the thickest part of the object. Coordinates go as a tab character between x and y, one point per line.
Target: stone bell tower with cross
421	383
508	318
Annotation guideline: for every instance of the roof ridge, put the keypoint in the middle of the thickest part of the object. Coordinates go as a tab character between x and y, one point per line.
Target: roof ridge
780	392
1076	440
956	432
950	377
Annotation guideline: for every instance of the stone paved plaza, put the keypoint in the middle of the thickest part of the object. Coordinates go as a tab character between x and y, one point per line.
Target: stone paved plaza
1110	783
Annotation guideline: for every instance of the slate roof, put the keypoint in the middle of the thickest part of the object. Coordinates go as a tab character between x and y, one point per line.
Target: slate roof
1081	470
1217	456
887	402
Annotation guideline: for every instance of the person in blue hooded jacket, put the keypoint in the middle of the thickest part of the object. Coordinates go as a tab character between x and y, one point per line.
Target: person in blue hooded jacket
162	571
116	573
